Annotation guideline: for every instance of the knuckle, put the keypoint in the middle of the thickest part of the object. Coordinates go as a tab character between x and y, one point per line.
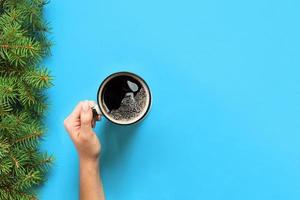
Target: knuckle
66	122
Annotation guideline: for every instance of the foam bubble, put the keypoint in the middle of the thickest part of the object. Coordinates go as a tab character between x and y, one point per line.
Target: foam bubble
131	106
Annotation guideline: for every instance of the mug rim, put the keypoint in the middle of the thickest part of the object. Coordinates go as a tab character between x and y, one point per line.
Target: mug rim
134	75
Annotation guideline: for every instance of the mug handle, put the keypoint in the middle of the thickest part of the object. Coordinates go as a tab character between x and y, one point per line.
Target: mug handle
96	112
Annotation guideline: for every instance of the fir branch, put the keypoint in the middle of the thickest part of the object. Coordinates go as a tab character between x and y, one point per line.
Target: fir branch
28	47
28	95
5	109
10	17
11	71
28	180
4	146
23	44
39	78
29	137
5	167
6	194
43	162
8	90
22	52
14	123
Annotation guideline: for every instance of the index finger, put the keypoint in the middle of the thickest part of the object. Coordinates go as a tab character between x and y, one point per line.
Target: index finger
76	112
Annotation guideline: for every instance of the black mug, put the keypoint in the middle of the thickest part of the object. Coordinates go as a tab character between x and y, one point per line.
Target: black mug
124	98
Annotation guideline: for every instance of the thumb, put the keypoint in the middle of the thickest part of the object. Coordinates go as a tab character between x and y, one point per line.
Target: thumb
86	117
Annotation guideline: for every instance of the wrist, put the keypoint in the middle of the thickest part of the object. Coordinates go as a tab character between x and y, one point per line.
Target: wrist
92	162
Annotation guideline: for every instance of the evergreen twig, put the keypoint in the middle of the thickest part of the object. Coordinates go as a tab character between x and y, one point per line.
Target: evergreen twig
23	44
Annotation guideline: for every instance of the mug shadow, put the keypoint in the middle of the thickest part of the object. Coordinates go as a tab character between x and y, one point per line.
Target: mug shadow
115	141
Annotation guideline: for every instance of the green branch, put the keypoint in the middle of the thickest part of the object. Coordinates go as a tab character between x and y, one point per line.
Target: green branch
23	45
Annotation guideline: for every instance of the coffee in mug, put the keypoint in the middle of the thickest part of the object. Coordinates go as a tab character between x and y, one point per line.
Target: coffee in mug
124	98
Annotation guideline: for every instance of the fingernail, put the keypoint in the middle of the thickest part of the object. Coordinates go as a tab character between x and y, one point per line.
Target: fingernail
85	106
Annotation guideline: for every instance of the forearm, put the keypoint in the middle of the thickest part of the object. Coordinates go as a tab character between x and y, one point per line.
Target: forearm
90	181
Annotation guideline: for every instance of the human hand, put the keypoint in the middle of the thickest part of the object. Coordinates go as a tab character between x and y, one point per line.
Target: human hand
79	125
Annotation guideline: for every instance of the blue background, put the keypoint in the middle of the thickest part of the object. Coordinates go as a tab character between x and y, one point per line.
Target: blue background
225	77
